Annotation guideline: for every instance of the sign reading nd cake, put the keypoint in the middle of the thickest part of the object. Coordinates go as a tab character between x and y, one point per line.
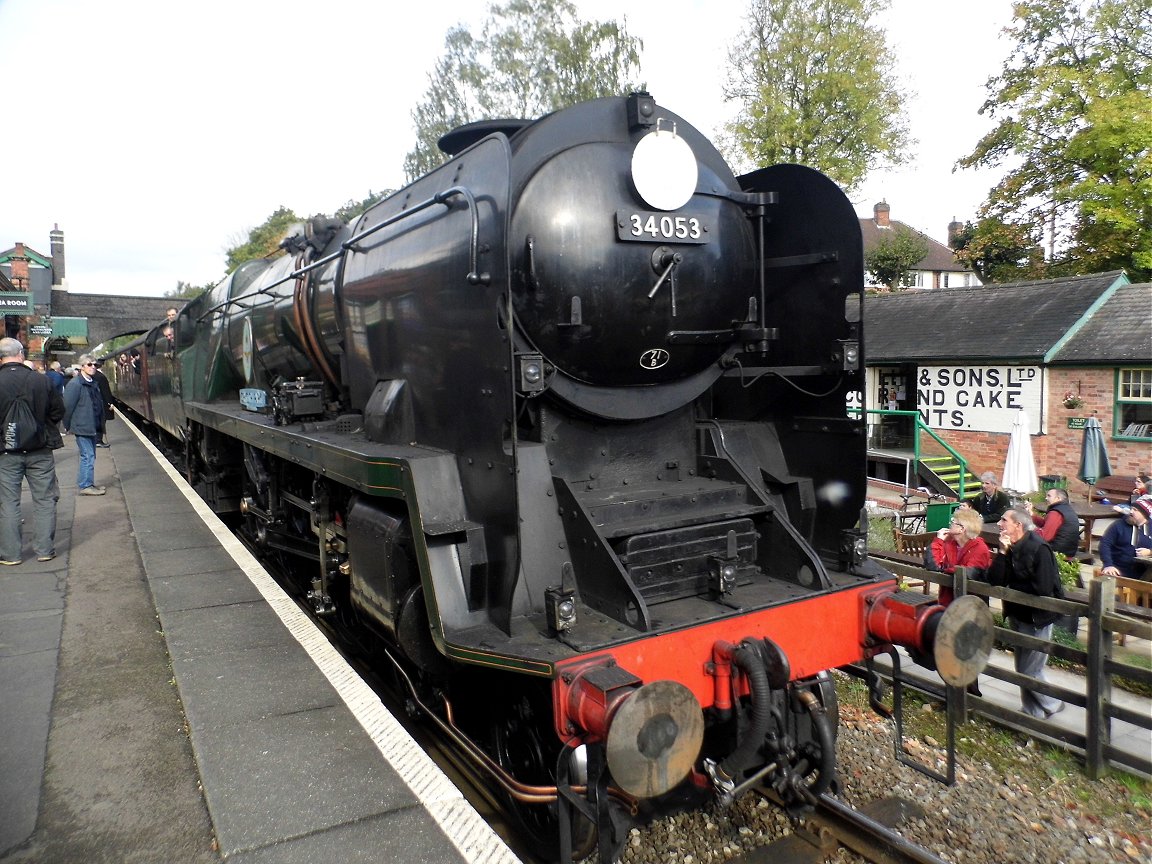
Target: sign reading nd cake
979	398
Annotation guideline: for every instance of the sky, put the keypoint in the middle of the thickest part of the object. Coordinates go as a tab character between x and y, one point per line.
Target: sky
157	134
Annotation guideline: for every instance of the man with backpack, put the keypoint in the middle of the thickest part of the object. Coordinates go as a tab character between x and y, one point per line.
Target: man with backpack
30	408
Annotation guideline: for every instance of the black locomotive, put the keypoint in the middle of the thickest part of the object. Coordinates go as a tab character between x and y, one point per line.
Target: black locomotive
564	424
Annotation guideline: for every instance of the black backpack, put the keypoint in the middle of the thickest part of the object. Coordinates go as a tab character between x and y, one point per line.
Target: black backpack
22	432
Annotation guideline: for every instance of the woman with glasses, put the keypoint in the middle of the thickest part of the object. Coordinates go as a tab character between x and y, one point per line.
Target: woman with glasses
959	545
83	416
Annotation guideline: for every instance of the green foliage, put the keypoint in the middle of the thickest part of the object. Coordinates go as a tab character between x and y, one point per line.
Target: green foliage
999	251
1069	571
530	58
186	291
1074	109
813	79
352	208
263	240
895	255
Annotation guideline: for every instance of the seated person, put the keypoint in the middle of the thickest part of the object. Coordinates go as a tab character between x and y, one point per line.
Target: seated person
991	502
1059	526
1127	539
958	545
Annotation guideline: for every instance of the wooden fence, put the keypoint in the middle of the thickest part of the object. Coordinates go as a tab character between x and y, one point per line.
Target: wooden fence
1106	618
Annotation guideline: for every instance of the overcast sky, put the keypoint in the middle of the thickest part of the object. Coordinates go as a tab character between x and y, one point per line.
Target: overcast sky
157	134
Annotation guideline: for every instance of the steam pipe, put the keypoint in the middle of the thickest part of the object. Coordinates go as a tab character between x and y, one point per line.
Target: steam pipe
747	658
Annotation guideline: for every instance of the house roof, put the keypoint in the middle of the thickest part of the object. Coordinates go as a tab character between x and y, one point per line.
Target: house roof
29	253
1119	332
939	257
1018	321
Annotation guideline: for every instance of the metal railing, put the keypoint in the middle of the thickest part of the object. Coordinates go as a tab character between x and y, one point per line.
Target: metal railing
919	427
1098	606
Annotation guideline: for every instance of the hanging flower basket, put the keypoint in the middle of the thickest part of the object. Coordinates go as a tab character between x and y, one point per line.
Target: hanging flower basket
1071	400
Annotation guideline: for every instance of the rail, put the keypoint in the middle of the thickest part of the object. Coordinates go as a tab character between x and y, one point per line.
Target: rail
919	427
1106	618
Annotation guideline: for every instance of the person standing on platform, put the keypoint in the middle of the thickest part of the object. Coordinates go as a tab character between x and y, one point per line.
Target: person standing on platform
1060	526
83	414
106	395
38	466
56	376
991	502
1028	564
1126	540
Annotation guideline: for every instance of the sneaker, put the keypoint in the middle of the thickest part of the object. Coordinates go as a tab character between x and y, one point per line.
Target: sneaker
9	563
47	557
103	445
91	490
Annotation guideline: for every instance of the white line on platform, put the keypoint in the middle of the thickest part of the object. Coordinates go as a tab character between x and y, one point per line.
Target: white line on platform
459	821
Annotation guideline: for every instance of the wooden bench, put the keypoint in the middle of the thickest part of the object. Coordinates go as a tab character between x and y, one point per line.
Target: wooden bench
1134	592
1117	488
914	546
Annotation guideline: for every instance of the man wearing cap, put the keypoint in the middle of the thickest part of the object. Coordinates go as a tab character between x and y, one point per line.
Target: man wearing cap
991	501
1127	540
38	467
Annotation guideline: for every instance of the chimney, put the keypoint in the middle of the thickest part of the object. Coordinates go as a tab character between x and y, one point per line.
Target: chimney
20	269
880	214
954	228
57	238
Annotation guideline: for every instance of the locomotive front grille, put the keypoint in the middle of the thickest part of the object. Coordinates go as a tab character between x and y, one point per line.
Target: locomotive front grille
670	565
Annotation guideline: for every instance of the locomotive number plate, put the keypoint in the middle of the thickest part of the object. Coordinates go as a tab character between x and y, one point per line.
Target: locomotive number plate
643	226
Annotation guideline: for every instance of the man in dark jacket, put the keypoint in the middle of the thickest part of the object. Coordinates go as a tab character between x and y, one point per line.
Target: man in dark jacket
106	395
991	502
1060	526
83	413
37	466
1126	540
1027	564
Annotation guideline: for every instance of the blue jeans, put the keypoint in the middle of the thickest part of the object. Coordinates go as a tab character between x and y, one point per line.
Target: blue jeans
39	468
86	470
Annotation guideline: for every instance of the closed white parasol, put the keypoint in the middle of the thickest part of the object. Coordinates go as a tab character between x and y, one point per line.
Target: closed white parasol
1019	467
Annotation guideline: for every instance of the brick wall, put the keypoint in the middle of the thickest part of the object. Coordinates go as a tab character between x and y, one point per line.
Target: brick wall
1058	451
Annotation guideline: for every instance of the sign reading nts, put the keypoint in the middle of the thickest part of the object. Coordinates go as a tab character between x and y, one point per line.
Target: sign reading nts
978	398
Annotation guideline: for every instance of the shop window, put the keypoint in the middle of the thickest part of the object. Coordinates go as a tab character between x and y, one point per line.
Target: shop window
1134	403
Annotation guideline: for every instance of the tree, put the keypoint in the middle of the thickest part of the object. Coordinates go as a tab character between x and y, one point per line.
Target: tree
999	251
353	208
895	255
531	58
186	291
263	240
1074	109
813	79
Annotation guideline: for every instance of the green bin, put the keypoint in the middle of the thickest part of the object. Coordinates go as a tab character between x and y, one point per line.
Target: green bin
939	515
1053	481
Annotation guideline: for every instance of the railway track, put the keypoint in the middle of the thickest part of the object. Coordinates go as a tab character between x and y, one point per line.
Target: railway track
867	833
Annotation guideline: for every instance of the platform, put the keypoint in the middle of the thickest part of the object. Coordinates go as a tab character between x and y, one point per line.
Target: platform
165	701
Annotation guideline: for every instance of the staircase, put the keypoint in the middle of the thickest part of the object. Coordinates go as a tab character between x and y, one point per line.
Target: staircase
942	474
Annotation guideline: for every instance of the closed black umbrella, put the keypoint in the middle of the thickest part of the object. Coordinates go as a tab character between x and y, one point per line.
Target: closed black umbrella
1093	455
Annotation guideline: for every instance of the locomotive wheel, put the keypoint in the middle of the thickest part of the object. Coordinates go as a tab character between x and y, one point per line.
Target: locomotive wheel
525	747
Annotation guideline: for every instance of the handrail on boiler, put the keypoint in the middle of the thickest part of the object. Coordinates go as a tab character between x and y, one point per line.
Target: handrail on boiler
473	277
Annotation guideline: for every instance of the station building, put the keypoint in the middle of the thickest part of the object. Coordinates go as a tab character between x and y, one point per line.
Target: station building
962	363
55	323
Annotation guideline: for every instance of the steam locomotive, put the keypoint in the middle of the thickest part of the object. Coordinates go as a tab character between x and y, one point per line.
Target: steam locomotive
563	424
